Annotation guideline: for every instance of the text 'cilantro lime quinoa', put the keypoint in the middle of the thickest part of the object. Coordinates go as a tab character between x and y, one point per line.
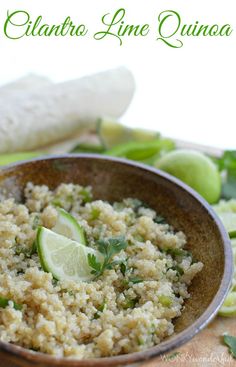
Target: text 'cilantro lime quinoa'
122	279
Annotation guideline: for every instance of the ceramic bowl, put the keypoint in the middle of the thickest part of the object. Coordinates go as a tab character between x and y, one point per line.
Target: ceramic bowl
114	179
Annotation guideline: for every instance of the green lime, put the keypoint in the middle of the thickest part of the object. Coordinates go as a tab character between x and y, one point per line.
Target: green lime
228	308
64	258
112	133
68	226
195	169
229	221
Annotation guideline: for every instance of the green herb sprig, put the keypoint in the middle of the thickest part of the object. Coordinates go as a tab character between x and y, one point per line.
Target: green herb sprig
230	341
108	249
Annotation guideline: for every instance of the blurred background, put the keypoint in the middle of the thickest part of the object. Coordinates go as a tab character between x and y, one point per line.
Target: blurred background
186	93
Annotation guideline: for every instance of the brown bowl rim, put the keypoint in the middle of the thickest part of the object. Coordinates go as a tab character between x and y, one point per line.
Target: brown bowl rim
165	346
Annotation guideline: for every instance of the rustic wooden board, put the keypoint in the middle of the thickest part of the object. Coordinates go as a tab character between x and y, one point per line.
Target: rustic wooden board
205	349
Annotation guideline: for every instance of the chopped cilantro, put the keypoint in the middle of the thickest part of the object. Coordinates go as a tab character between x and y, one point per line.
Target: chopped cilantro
159	219
95	213
4	302
130	302
108	249
86	195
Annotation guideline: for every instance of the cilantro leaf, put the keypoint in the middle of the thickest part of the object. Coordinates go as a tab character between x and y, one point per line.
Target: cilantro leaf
178	270
123	268
229	187
22	250
108	249
130	302
86	195
159	219
4	302
100	309
94	264
228	160
178	252
111	246
230	341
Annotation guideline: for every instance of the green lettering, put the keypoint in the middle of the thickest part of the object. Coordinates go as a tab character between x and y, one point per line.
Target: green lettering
163	18
117	18
11	20
226	30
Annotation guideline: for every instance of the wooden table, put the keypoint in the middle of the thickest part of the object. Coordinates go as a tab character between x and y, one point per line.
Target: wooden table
204	350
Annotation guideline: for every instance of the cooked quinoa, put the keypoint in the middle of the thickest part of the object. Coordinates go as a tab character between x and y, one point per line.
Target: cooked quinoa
129	308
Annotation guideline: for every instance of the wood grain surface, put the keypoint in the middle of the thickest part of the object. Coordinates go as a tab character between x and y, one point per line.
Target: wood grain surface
204	350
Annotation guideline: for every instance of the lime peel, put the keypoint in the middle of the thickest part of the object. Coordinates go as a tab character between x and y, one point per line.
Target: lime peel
112	133
64	258
68	226
195	169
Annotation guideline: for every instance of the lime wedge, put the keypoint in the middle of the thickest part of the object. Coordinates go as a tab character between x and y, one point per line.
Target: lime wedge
68	226
229	306
229	221
143	135
112	133
64	258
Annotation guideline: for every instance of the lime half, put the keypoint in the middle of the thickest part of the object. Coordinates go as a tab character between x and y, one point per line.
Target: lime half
68	226
229	221
64	258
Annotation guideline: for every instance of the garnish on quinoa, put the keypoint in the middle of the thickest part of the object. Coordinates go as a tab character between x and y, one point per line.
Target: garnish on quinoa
4	302
108	248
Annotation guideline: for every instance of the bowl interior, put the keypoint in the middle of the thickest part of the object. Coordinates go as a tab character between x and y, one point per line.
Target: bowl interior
116	180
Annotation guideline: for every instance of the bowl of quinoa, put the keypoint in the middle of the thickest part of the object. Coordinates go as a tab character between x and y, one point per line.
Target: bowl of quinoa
158	291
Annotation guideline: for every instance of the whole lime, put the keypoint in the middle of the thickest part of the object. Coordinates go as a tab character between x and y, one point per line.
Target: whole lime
195	169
